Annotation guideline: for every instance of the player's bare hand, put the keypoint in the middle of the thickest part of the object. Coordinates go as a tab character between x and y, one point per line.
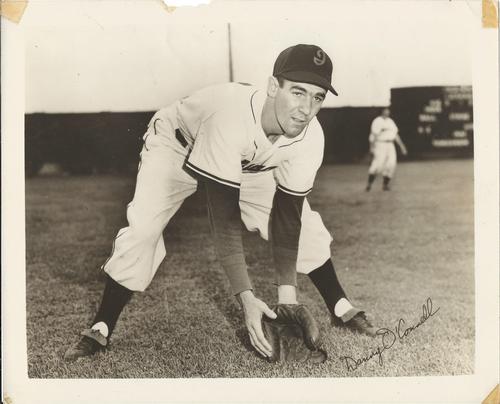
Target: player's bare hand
254	309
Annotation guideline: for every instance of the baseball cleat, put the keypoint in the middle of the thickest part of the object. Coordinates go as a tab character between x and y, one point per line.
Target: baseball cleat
92	341
358	323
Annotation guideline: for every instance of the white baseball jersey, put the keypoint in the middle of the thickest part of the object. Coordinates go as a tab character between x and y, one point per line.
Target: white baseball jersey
217	133
384	129
222	127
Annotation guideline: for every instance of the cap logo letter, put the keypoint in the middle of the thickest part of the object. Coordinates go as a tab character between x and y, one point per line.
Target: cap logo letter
320	58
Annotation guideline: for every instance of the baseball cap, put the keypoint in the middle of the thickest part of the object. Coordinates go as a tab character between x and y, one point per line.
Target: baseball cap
305	64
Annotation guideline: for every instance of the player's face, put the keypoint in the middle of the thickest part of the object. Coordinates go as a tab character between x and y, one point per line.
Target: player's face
386	112
295	104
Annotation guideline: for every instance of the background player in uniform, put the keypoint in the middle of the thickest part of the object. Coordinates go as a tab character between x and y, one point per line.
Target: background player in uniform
256	152
383	134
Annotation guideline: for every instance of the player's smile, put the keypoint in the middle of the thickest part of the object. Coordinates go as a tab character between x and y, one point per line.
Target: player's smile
299	120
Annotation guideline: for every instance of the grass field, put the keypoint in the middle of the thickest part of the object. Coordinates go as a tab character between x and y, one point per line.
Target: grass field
392	250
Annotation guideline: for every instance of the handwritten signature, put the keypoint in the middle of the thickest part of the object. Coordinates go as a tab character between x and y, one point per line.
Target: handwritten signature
389	337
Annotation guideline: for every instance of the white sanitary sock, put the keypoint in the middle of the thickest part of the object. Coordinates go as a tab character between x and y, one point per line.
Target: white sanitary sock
342	307
102	327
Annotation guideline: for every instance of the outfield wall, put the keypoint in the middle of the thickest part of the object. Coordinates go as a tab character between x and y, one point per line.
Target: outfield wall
85	143
109	142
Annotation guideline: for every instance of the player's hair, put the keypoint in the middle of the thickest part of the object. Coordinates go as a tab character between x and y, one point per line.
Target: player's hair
281	81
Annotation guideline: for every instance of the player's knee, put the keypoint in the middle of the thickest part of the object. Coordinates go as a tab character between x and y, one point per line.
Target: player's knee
145	232
314	244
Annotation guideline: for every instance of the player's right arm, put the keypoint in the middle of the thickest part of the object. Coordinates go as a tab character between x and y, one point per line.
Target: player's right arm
216	160
225	222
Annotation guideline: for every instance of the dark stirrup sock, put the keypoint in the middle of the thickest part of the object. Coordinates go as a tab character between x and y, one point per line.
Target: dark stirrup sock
371	178
114	299
326	281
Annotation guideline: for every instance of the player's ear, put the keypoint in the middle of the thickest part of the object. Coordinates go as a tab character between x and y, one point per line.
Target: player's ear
272	86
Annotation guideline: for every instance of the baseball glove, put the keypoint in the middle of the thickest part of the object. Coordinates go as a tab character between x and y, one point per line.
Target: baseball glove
294	335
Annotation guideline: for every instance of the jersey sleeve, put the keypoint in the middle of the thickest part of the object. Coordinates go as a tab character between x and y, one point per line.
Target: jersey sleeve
225	223
286	224
295	175
217	150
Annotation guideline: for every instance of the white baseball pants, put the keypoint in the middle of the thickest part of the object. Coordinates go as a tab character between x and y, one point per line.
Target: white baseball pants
384	159
162	185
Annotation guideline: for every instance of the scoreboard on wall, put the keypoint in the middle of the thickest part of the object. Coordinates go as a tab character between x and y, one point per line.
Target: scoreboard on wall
431	118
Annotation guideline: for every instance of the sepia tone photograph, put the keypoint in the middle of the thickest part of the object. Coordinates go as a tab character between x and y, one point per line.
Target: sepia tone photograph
101	230
250	194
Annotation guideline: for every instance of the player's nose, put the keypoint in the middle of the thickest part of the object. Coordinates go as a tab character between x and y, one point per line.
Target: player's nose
305	106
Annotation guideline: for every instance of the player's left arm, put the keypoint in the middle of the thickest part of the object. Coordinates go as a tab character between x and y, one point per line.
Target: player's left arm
401	144
286	224
295	178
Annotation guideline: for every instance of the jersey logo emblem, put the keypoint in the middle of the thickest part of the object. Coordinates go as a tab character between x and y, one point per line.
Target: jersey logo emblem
254	168
320	58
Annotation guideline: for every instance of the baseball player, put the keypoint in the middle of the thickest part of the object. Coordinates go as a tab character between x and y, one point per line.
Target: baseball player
256	153
383	135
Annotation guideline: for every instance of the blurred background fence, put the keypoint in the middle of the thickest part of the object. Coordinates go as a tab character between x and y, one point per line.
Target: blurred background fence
434	122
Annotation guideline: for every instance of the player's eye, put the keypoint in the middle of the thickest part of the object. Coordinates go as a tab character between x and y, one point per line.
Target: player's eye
298	93
318	99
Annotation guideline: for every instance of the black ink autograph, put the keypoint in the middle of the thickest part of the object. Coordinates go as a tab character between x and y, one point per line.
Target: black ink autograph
389	337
